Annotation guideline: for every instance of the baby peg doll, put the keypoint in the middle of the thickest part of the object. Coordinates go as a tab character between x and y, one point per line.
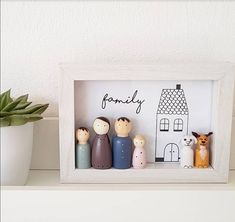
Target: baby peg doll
83	150
139	154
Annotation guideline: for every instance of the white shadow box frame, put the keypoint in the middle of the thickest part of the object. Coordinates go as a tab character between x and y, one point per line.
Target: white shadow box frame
222	76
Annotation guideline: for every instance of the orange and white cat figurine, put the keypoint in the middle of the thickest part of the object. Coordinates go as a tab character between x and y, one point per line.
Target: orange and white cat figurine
202	150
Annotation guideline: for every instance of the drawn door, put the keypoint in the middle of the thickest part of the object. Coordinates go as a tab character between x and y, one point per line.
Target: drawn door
171	153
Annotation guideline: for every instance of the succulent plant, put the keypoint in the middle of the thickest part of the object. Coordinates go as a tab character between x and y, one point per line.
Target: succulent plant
15	112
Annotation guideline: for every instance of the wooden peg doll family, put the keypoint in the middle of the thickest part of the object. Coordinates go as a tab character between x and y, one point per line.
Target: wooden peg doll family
120	155
103	155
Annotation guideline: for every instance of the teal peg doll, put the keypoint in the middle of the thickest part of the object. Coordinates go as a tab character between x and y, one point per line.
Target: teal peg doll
83	149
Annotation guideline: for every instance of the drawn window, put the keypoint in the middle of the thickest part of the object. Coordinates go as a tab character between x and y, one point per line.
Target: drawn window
178	125
164	124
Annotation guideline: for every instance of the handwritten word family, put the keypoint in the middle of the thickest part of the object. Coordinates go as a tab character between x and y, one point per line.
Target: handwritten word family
130	100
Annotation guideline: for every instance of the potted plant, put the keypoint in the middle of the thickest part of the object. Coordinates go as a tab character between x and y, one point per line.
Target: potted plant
16	121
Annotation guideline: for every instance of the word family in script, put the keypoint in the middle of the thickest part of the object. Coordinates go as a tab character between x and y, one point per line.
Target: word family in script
130	100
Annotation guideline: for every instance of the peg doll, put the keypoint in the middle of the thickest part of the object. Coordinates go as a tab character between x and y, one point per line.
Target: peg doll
83	150
187	152
122	144
202	150
101	149
139	154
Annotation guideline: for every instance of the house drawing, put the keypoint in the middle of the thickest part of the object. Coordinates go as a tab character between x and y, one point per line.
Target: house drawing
171	124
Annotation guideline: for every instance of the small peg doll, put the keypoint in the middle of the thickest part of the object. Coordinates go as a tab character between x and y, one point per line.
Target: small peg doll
122	144
202	150
139	154
187	152
83	150
101	148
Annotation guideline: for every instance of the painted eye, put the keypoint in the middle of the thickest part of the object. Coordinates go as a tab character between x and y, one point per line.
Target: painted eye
185	139
191	140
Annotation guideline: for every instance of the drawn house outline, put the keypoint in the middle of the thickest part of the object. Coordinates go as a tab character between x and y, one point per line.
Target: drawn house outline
171	124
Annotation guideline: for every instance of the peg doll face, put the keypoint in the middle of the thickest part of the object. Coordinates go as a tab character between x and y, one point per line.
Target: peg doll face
139	141
82	135
123	126
101	125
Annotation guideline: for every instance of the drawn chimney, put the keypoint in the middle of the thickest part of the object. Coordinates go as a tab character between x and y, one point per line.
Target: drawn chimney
178	86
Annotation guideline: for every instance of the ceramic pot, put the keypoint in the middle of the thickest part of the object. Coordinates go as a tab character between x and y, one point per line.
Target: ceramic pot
16	152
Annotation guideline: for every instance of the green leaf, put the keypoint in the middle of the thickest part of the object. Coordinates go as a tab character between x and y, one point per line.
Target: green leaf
29	110
10	106
34	117
3	114
41	110
5	121
2	94
17	120
5	99
13	104
18	112
22	105
24	98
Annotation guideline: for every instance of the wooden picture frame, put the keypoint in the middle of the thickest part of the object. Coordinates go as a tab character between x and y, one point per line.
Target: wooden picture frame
222	105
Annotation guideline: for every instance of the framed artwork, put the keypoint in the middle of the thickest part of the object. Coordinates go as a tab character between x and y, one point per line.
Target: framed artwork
164	102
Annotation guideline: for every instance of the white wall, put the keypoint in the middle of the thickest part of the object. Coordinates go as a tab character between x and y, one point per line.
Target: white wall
36	36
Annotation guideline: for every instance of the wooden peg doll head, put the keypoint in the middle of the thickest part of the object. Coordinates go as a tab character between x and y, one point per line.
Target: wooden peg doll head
123	126
101	125
139	141
82	135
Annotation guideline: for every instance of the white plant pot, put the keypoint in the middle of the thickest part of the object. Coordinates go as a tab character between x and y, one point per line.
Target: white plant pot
16	152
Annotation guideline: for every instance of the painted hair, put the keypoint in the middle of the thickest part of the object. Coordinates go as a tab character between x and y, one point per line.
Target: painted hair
124	119
83	129
139	137
104	119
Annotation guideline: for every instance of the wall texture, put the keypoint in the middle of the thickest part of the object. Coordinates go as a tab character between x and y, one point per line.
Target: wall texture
37	35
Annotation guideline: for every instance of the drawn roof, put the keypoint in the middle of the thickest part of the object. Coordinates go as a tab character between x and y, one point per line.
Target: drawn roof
173	102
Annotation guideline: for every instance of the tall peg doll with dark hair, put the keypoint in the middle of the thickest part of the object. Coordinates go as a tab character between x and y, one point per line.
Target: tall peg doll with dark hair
122	144
101	148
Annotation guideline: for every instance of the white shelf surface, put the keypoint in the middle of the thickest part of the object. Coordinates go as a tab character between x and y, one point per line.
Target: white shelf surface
50	180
